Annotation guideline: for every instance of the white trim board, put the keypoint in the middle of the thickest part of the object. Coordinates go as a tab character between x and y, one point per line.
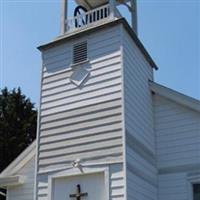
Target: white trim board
173	95
191	180
11	181
84	165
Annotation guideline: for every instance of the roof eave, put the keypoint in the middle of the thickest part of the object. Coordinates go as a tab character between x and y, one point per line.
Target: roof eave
11	181
20	161
173	95
101	26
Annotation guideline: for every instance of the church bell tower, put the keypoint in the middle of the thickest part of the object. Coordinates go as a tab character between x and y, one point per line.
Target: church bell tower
95	134
90	11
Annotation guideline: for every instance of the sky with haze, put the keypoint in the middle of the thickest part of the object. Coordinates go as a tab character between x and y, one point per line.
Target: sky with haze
169	29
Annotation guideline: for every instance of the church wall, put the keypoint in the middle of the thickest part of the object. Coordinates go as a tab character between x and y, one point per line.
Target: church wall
178	152
81	122
25	191
173	186
84	122
116	182
178	134
141	169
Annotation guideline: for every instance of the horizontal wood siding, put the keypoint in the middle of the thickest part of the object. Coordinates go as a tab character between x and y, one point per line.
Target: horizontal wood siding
25	191
178	147
116	188
178	134
82	122
173	186
140	137
116	182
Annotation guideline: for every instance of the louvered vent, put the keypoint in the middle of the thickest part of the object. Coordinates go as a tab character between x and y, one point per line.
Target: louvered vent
80	52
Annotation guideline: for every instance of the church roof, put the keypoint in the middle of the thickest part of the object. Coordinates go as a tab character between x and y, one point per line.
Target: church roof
173	95
85	31
20	161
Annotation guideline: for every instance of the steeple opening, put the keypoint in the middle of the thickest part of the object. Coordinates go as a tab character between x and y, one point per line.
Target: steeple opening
81	14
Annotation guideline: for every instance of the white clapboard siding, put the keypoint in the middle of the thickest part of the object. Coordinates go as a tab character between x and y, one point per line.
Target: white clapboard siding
173	186
82	122
178	153
101	67
60	57
25	191
80	112
116	176
51	85
140	163
106	128
140	137
82	125
93	82
139	189
81	140
91	94
116	182
68	112
105	83
178	134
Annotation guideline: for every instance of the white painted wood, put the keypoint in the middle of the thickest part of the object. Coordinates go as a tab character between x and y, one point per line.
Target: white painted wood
64	14
112	120
134	16
112	4
173	186
178	153
178	133
114	175
20	161
93	184
24	191
141	174
91	14
149	146
62	184
11	181
84	122
179	98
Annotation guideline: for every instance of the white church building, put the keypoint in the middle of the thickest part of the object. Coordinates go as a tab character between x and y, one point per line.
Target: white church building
106	130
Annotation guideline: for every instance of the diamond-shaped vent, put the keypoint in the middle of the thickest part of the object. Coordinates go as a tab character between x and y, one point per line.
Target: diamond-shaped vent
79	76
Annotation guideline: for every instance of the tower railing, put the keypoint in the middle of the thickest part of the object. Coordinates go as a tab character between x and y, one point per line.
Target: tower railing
91	17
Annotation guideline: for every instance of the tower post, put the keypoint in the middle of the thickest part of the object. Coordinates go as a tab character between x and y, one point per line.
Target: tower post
134	15
64	14
112	8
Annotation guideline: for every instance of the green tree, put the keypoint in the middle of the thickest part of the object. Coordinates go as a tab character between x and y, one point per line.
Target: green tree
18	124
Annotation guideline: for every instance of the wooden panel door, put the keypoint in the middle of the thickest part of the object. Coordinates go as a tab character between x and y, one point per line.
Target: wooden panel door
92	184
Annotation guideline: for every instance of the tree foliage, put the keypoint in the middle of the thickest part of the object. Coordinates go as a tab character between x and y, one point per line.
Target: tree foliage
18	122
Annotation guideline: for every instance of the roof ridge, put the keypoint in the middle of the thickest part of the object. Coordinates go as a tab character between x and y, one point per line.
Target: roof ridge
176	96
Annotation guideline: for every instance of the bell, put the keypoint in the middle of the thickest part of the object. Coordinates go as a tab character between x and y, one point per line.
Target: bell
91	4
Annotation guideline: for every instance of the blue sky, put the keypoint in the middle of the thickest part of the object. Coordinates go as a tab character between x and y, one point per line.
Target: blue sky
169	29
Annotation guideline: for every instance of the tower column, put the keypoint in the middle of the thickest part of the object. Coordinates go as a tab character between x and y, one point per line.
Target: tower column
64	11
134	15
112	4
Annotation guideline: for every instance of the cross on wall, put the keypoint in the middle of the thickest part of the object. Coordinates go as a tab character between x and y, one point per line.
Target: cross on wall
78	194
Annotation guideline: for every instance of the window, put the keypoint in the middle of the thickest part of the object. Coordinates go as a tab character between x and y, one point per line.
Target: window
196	191
2	194
80	52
